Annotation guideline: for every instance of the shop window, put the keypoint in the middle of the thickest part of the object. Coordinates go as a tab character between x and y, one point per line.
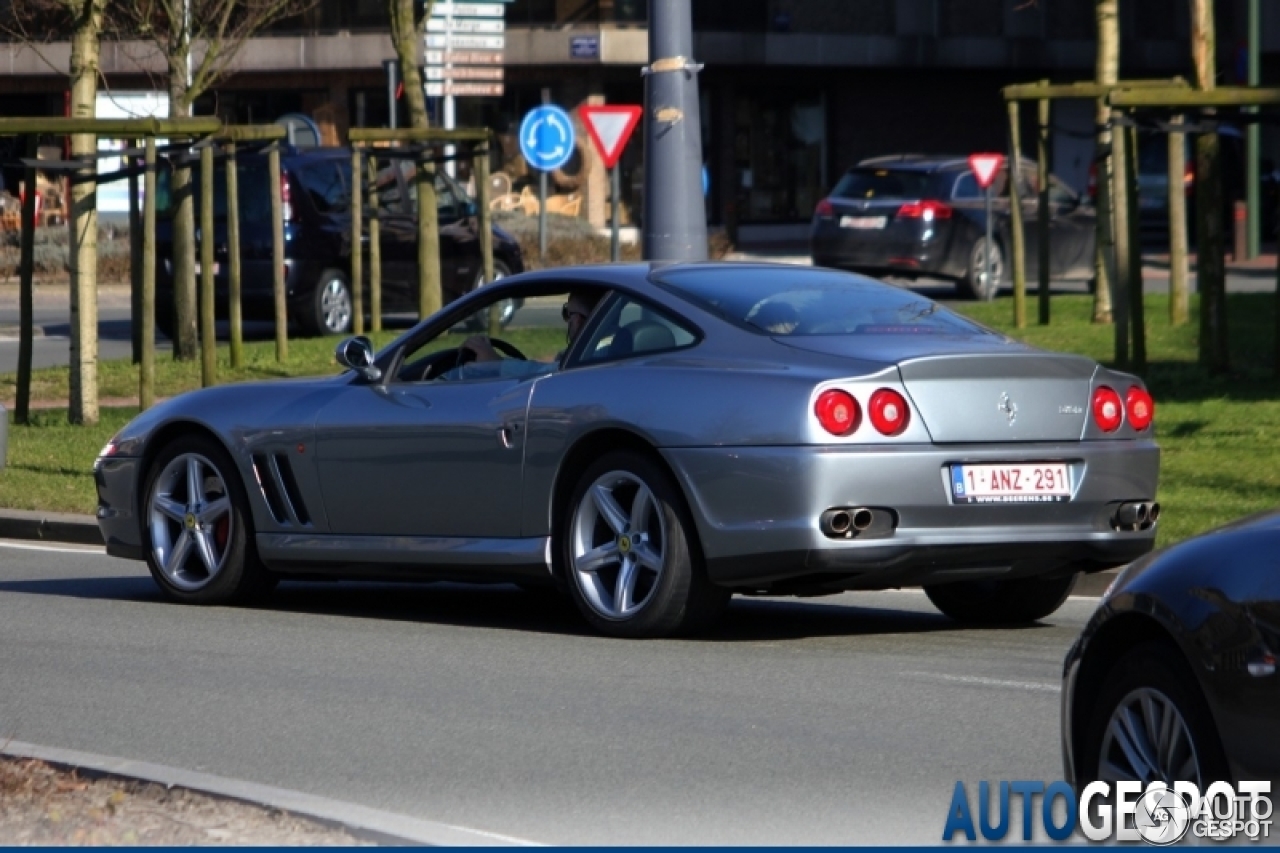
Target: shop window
779	149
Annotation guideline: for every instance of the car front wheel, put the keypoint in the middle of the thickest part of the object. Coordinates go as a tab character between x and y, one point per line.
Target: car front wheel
1001	602
329	311
633	564
199	537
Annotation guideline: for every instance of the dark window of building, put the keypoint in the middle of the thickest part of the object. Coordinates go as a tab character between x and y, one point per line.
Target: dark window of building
736	16
973	17
870	17
1071	19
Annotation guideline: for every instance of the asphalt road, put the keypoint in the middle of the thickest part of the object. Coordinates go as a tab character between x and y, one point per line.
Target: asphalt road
840	720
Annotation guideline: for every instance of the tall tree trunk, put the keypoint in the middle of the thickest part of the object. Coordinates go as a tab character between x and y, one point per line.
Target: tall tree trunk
1106	73
83	222
406	35
1210	263
182	207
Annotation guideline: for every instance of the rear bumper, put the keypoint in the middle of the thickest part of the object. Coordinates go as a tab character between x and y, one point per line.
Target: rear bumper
834	246
757	512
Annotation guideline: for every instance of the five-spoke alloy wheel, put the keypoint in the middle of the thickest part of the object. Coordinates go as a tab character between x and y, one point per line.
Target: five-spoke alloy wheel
199	546
633	567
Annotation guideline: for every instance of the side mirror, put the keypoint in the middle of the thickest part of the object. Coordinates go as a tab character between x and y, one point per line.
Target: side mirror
357	354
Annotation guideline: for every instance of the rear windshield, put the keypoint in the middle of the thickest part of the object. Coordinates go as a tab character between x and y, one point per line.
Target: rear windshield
252	191
771	301
864	183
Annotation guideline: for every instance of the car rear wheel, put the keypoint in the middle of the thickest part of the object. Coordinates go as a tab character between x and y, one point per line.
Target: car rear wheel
199	530
506	308
976	284
329	311
633	563
1001	602
1151	723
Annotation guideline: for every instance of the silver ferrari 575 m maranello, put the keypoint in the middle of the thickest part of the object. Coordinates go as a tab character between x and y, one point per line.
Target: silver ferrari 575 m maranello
710	429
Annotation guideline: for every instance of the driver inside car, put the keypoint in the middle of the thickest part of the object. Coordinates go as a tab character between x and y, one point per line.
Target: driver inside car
485	362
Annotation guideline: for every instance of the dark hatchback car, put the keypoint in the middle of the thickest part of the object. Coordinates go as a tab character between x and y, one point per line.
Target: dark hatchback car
915	215
1174	678
316	187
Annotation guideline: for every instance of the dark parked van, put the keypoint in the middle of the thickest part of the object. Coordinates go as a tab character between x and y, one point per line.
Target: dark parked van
316	187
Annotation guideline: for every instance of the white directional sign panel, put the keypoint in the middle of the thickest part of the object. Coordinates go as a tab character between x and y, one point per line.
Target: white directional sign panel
468	10
464	57
493	72
465	42
466	25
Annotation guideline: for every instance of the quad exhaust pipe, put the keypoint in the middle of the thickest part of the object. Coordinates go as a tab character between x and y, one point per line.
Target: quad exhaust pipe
1136	515
849	522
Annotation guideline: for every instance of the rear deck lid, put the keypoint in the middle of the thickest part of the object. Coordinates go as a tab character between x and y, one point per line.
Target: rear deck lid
1028	396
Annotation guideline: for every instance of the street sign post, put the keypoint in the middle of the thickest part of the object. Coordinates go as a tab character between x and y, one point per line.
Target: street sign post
985	167
546	141
610	128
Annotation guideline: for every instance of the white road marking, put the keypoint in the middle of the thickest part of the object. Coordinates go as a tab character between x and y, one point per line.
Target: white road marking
56	549
1034	686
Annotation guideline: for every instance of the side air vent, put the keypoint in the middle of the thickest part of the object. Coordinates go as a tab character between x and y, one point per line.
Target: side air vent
280	490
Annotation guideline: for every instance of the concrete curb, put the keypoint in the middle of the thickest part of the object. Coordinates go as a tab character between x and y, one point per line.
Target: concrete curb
49	527
83	530
361	821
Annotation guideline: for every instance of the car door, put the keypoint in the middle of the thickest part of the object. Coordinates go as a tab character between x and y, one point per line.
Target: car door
1072	231
424	458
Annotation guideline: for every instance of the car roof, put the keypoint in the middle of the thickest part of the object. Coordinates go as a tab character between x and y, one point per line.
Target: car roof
917	162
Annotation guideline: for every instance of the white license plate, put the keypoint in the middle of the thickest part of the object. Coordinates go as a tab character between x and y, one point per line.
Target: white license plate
867	222
1030	482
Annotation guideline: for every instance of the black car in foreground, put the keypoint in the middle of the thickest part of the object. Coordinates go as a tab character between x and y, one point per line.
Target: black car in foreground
1175	676
315	184
915	215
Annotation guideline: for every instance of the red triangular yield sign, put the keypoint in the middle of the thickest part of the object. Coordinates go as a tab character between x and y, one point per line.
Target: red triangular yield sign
609	128
985	166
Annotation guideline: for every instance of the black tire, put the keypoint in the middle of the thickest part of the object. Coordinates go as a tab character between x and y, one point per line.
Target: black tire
507	308
974	285
238	575
329	309
1001	602
677	597
1156	675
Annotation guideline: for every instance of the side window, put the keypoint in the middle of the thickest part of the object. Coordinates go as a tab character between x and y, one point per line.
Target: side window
966	188
326	186
633	328
449	196
388	188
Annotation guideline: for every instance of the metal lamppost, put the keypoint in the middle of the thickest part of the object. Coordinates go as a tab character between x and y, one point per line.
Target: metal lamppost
675	221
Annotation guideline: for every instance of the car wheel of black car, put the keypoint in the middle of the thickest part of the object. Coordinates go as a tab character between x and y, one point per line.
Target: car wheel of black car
975	284
631	555
329	311
506	308
198	524
1151	723
1001	602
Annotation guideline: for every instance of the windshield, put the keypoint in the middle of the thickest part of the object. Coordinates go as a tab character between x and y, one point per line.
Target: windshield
800	303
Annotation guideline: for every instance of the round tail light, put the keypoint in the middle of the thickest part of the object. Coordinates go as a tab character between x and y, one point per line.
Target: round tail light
1140	407
888	411
837	411
1108	411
